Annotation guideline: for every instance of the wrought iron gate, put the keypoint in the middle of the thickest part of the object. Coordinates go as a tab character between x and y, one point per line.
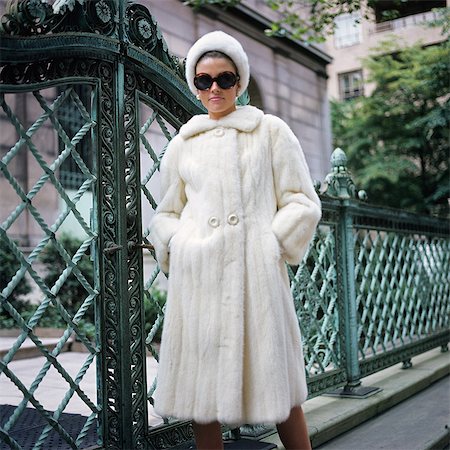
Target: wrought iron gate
97	80
103	97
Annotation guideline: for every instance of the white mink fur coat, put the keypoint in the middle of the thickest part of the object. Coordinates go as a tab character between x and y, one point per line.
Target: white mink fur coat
237	202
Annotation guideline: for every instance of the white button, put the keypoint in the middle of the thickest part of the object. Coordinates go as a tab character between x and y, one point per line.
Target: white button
233	219
219	132
214	221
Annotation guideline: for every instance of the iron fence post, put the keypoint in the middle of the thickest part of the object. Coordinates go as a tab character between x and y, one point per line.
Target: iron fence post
125	396
346	260
339	185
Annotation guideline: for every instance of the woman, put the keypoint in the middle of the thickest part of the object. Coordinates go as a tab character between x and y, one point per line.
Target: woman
237	202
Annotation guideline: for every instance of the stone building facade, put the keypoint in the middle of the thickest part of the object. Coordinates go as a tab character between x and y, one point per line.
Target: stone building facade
289	79
356	35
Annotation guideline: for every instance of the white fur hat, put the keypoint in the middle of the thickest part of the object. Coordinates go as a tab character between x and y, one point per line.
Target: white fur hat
220	42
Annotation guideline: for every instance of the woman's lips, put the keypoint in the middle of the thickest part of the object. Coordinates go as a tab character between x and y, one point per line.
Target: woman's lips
215	99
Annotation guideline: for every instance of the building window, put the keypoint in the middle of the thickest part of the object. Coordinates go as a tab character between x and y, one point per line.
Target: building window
70	117
348	30
351	85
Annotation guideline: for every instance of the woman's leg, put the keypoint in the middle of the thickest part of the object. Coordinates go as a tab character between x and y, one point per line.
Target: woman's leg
294	432
208	436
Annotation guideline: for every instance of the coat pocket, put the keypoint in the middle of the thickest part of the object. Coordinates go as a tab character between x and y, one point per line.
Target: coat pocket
272	246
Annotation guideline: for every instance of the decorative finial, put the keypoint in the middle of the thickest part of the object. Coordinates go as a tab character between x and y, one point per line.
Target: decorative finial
339	159
339	183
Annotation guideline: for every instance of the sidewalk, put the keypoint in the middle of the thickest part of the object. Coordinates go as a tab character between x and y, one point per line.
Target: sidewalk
327	417
53	387
420	422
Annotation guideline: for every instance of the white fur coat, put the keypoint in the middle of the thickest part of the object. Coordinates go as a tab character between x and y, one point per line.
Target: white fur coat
237	203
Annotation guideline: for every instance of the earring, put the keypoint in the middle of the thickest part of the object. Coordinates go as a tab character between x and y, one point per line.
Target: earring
198	96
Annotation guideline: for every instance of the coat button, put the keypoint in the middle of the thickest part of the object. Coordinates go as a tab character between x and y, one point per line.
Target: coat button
219	132
214	221
233	219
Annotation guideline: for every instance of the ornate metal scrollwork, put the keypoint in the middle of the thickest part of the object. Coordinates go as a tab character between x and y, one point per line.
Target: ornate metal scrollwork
171	435
35	17
28	18
143	32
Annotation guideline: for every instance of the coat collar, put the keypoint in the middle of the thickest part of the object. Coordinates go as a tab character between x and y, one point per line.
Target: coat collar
245	118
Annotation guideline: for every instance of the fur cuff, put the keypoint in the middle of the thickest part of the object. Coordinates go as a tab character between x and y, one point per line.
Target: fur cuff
162	229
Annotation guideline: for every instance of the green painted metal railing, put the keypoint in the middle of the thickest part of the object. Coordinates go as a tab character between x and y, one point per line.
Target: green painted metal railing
393	283
373	289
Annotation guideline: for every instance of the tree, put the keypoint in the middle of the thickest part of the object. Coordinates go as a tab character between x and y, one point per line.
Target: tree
9	265
72	293
307	20
396	139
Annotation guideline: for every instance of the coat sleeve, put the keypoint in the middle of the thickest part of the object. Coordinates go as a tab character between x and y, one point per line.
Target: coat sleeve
166	221
298	205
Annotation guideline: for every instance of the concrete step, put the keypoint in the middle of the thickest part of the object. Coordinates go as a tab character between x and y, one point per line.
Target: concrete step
48	336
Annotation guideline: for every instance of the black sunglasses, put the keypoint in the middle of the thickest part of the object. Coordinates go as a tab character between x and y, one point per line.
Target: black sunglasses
225	80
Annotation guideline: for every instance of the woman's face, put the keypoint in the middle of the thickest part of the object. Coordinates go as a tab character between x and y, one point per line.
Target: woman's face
219	102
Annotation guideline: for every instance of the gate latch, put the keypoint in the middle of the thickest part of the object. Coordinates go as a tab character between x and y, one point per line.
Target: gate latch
147	246
113	248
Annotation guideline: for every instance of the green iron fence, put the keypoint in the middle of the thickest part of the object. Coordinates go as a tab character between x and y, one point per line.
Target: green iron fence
372	291
393	272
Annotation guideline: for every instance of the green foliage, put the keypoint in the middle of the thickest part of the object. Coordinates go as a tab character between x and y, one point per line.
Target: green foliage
7	322
51	319
442	20
396	139
311	22
307	20
9	265
72	293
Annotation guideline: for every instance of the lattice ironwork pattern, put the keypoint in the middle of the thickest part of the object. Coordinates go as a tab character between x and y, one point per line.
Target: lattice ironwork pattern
61	272
155	132
314	287
402	287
